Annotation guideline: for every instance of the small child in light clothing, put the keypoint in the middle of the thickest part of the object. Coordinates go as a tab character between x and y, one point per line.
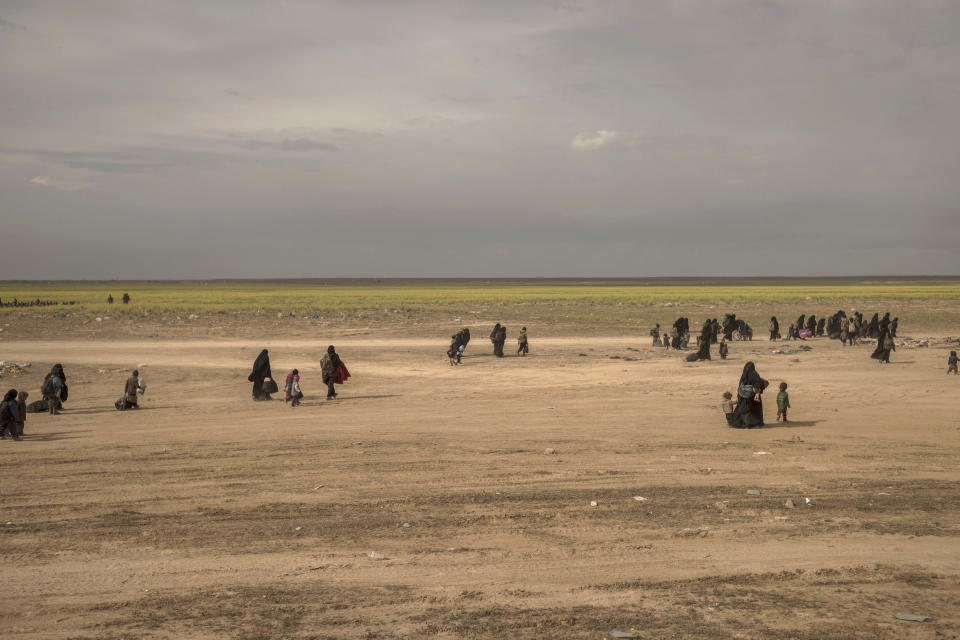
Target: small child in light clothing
727	405
952	363
724	349
783	403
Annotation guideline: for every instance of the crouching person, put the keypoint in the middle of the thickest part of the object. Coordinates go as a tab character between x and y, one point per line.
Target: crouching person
9	415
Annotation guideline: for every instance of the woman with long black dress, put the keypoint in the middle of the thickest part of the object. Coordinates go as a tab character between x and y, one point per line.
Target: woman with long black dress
261	371
749	411
885	345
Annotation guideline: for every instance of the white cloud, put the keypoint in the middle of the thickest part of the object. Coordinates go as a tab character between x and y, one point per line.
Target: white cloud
56	183
593	140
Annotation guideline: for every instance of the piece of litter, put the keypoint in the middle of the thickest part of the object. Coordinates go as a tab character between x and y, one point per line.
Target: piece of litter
789	504
374	555
593	503
622	634
808	502
911	617
762	453
297	528
406	525
319	486
639	498
753	492
9	524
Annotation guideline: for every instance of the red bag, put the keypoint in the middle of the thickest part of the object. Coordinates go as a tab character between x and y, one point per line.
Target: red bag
342	374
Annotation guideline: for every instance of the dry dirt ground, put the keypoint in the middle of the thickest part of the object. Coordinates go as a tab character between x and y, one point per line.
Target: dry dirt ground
433	501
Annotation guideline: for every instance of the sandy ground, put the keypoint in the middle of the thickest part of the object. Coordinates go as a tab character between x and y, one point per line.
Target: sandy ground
425	501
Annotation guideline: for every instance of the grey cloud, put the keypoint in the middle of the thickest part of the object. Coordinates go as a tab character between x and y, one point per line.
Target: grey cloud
287	144
7	25
484	138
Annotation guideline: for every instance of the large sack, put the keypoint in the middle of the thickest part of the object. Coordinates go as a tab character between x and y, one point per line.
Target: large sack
270	386
39	406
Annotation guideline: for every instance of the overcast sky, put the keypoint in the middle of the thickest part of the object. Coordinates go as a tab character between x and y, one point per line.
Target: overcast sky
410	138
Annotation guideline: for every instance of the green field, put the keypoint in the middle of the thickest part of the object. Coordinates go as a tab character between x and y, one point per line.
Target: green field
597	302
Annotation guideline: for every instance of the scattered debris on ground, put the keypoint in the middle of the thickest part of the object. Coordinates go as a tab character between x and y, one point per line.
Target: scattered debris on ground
909	617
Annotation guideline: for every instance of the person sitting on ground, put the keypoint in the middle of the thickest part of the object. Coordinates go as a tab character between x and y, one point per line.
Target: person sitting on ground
783	403
259	374
9	415
952	363
291	388
22	410
329	366
727	406
724	349
130	389
523	346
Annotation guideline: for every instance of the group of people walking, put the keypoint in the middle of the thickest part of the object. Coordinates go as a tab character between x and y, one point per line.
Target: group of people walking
746	412
498	336
333	372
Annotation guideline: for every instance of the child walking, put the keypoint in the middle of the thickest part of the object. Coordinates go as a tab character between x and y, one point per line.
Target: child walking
523	347
727	406
724	349
783	403
291	388
952	363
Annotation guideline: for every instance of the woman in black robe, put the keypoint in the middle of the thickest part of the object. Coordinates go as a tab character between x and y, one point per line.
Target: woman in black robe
821	323
873	329
893	327
261	371
749	411
703	351
885	345
812	325
801	322
57	370
774	328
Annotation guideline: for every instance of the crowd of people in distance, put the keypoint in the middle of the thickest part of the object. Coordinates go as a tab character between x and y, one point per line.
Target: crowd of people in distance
35	303
743	411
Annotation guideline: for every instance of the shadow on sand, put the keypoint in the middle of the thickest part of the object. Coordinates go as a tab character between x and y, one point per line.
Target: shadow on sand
50	436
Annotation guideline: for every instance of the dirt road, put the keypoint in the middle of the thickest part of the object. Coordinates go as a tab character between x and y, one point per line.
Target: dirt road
452	502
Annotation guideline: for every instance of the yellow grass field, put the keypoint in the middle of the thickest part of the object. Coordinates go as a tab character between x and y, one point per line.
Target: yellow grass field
597	303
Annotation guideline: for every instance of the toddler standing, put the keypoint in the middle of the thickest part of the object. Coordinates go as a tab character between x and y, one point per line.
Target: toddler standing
783	402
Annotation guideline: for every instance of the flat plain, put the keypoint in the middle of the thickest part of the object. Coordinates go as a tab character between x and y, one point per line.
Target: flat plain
590	486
